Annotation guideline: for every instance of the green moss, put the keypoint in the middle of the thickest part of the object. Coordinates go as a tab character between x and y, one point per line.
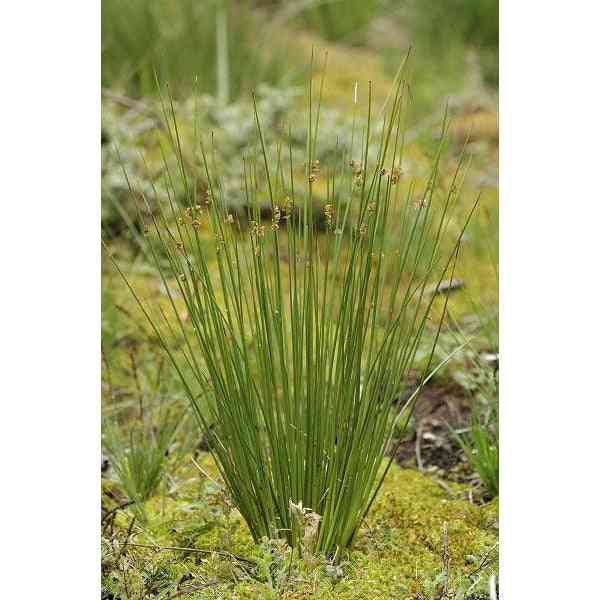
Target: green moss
398	553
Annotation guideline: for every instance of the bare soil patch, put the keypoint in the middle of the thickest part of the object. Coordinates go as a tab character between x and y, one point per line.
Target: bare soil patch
429	445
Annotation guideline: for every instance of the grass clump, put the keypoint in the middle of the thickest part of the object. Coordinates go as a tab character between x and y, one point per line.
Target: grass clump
481	442
139	459
144	435
481	446
294	348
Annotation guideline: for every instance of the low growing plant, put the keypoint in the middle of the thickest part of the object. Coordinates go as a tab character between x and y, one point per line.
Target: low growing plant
482	449
481	443
139	458
296	344
481	440
143	436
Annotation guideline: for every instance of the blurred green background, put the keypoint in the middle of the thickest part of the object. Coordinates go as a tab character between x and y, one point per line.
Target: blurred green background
240	44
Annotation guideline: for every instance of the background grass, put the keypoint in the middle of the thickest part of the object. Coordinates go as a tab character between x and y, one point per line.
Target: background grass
179	41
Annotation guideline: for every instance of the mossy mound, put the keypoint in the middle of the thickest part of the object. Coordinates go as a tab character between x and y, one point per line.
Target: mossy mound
398	553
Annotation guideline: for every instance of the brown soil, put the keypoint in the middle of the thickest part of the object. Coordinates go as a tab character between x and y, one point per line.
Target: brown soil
429	444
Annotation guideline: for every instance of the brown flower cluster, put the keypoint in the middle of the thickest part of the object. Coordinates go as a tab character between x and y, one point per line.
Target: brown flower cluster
329	211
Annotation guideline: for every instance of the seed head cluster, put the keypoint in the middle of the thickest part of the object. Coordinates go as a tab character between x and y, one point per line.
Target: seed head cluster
329	211
276	218
315	168
256	229
286	206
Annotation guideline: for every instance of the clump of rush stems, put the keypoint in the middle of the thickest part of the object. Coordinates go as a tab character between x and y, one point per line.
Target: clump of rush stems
297	343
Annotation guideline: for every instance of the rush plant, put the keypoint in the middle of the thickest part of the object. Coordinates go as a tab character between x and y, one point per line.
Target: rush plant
295	343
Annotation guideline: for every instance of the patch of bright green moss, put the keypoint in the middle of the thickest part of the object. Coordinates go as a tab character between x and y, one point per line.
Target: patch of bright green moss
398	553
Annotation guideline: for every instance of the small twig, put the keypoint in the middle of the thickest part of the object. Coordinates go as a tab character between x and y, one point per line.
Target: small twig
125	578
446	560
136	105
445	487
124	311
493	595
108	373
192	588
445	287
206	474
126	539
418	448
484	562
114	510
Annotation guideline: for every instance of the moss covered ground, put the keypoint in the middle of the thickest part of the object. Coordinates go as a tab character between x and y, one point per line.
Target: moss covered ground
193	544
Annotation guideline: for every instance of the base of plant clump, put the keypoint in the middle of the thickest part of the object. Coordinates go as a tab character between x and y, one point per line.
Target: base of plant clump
397	553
